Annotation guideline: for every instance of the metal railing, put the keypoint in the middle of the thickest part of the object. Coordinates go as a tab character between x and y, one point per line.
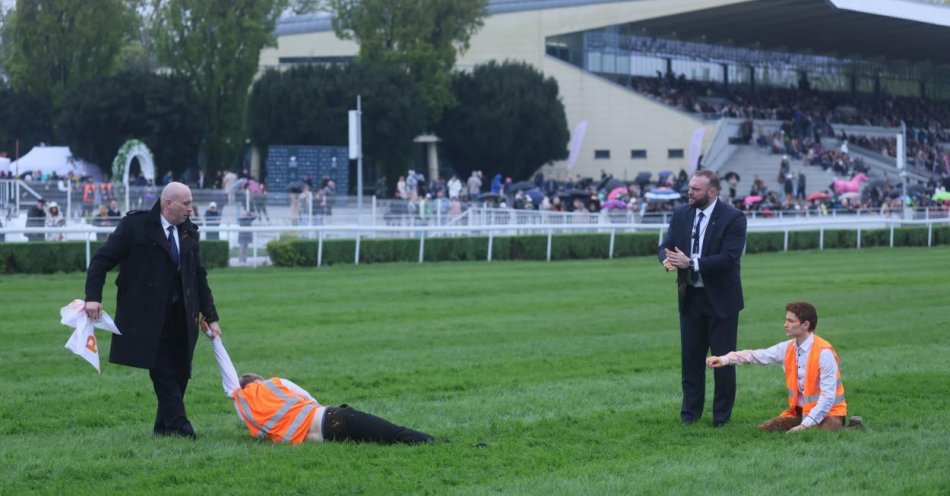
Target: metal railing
321	233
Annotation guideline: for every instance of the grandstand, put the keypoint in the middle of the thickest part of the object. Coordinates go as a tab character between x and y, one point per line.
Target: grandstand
645	74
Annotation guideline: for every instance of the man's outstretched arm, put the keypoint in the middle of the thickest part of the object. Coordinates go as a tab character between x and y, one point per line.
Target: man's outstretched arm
229	377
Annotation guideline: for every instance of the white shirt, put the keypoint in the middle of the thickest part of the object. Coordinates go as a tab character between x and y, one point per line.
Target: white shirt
165	226
703	224
232	384
827	372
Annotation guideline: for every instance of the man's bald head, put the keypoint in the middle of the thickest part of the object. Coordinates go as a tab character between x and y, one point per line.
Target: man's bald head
176	203
173	190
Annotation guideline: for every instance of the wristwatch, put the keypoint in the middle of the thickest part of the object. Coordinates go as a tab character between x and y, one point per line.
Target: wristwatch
692	264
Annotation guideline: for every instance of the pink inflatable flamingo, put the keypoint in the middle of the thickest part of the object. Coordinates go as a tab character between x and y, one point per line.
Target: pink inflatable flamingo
854	185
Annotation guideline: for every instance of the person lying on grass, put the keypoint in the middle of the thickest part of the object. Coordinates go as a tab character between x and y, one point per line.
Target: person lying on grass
812	374
279	410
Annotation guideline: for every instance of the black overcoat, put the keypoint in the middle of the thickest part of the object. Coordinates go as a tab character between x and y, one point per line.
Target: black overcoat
146	274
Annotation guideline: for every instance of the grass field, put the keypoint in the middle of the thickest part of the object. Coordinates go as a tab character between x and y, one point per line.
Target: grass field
568	372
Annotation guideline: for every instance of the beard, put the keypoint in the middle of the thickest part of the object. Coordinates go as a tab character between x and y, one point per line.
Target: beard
701	203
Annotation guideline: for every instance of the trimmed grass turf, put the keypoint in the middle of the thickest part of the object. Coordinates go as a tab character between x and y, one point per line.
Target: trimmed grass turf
567	371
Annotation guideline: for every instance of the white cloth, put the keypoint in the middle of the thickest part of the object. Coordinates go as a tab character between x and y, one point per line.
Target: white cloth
83	340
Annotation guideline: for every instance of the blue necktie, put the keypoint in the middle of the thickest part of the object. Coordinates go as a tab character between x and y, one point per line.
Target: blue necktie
173	247
693	275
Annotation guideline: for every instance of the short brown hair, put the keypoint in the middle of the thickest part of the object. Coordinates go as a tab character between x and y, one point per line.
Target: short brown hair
711	176
249	378
805	312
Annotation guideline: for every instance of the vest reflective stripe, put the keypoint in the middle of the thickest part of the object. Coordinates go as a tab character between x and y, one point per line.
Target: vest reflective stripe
247	416
303	415
811	388
814	397
270	409
288	403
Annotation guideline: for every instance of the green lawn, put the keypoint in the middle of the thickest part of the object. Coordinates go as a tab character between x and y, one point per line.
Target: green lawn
568	372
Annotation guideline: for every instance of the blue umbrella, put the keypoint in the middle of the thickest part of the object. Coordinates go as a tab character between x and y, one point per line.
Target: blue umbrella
535	195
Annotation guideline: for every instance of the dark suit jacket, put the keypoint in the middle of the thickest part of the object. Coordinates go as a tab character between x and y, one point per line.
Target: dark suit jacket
139	247
723	244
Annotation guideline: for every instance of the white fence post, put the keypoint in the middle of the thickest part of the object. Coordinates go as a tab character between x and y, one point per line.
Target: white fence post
550	231
356	256
613	234
422	246
320	249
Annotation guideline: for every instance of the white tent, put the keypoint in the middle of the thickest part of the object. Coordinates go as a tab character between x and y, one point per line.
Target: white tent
49	159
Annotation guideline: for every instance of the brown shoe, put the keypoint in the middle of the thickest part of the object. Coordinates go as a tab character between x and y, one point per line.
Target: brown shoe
856	422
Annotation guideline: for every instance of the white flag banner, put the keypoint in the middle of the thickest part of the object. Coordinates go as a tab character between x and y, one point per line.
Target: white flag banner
574	149
83	340
695	147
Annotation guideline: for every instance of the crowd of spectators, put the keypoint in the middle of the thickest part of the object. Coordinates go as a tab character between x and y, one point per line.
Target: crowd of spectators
774	103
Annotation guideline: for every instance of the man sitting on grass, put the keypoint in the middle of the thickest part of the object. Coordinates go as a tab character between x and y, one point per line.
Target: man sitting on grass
812	375
282	411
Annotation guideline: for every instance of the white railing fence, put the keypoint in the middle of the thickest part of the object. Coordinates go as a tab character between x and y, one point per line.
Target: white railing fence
261	234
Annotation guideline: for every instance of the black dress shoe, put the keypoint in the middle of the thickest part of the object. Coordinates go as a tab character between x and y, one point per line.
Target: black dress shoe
185	433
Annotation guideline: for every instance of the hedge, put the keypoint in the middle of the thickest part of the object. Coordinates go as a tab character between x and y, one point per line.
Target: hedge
47	257
296	252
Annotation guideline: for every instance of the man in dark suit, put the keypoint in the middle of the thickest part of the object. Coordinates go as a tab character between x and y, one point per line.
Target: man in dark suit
162	287
703	244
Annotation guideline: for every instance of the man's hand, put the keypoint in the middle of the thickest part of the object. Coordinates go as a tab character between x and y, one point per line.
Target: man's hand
797	428
212	330
668	265
93	310
714	362
677	259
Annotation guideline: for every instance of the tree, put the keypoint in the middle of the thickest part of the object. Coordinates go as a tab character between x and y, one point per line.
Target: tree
162	111
308	106
25	118
421	36
509	119
51	46
216	44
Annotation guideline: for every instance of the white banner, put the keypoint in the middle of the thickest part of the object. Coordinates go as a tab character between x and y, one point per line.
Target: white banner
900	151
577	137
83	340
695	147
356	135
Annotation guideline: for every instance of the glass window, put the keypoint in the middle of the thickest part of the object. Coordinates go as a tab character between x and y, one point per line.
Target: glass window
674	153
593	60
646	66
638	154
601	154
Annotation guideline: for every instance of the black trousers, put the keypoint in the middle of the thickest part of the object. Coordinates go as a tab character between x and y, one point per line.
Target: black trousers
347	424
702	331
170	374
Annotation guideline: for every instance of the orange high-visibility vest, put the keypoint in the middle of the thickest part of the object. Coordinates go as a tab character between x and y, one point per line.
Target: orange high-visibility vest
839	407
270	409
88	193
106	189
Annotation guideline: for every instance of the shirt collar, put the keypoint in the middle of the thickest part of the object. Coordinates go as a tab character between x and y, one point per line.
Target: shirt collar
709	209
165	223
806	344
